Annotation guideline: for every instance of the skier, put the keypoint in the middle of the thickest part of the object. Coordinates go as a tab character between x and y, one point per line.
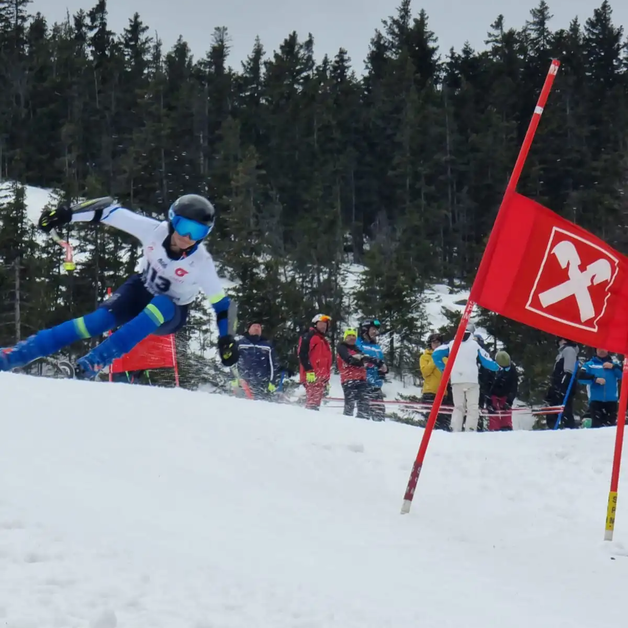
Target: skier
315	361
376	366
174	268
464	379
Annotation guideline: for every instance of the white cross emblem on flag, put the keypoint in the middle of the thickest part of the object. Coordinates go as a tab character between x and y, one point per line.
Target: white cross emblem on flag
598	268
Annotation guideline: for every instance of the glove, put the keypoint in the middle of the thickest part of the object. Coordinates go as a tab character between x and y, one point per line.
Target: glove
228	350
235	383
272	388
310	377
327	388
52	218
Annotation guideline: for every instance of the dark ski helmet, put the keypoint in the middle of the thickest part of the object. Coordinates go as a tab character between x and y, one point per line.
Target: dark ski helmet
367	324
193	216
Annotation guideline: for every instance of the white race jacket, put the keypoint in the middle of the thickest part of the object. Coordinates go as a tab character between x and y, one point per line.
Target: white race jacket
181	279
465	369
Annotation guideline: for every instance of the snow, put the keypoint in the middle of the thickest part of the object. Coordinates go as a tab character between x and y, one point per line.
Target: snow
155	508
36	198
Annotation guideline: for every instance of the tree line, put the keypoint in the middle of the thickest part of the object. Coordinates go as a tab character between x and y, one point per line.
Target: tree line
397	164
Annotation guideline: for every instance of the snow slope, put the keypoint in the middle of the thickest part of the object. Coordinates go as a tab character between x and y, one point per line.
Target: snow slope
152	508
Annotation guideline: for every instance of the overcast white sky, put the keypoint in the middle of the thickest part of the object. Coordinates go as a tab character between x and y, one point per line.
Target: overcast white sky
334	23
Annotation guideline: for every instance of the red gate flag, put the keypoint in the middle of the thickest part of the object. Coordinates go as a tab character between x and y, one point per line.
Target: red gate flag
548	273
154	352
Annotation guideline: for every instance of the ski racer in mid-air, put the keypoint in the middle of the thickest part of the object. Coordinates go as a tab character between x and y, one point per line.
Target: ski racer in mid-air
174	268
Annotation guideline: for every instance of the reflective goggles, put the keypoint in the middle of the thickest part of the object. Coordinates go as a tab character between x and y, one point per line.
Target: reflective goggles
190	228
323	318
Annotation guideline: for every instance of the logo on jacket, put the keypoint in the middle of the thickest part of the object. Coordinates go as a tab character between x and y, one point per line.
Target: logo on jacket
181	272
574	281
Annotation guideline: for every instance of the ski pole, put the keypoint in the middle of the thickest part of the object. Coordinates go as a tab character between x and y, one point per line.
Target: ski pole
79	208
576	368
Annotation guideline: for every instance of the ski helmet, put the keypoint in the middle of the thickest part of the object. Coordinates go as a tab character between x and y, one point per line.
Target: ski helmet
321	318
367	324
193	216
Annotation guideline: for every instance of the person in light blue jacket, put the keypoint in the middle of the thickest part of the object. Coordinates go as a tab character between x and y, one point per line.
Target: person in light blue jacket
376	367
602	375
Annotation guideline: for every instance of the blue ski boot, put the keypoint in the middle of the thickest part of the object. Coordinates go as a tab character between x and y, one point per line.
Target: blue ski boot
20	355
97	359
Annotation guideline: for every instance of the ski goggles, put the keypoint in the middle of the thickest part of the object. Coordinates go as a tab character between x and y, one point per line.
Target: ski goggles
190	228
322	318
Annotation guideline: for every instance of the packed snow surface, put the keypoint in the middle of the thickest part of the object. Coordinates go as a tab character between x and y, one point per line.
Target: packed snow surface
154	508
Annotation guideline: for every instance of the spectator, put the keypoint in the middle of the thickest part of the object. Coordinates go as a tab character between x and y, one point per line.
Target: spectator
432	377
502	394
353	375
485	379
376	367
258	368
602	375
315	361
564	368
464	379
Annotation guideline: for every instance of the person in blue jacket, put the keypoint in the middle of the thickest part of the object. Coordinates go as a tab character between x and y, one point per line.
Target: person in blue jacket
602	375
376	367
258	367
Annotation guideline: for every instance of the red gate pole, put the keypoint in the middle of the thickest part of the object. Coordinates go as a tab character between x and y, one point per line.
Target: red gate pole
174	360
479	279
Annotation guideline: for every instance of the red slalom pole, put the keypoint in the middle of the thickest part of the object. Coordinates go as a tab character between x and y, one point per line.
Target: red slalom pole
174	360
619	443
479	278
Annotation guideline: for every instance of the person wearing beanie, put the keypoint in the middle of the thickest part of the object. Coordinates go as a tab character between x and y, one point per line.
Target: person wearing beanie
351	364
502	394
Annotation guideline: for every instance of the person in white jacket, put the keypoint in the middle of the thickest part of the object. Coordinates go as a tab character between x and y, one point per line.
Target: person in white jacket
464	379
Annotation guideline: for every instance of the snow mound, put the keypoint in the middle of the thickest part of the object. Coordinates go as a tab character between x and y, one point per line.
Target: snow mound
156	508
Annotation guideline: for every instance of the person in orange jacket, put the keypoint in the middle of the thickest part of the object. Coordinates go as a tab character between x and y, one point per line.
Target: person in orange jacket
315	361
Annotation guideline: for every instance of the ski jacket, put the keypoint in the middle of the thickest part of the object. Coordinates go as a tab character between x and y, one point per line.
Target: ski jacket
314	355
465	368
594	369
429	371
505	384
564	366
350	363
180	279
372	350
258	364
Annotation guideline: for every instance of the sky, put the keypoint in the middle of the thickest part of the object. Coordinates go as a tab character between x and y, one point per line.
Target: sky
334	23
